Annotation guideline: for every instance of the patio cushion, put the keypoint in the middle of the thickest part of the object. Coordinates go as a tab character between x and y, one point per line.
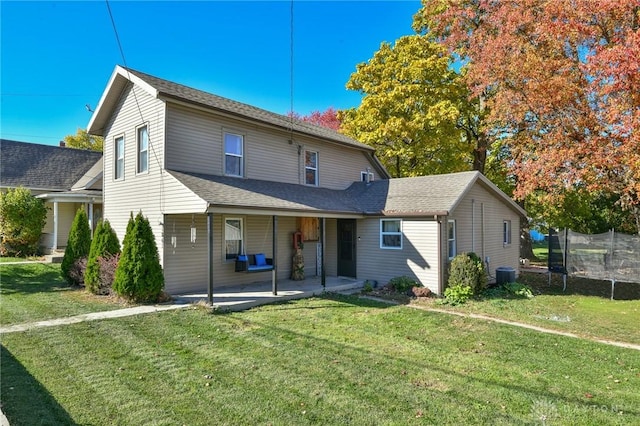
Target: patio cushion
261	260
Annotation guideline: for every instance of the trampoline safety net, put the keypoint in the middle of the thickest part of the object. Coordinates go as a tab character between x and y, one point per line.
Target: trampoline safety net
609	256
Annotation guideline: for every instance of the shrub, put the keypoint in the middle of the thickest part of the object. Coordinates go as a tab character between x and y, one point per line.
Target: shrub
139	275
403	284
78	245
77	270
457	294
468	270
421	291
510	290
22	218
107	266
105	242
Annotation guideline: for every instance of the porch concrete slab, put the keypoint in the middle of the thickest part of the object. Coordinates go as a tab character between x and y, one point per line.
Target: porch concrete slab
241	297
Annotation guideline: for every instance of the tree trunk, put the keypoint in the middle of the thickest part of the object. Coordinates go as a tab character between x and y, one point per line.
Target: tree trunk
526	246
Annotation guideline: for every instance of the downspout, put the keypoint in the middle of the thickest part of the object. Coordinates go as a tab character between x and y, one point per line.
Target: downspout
441	262
482	231
473	225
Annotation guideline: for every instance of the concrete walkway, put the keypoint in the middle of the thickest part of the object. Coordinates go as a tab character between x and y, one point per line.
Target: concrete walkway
235	298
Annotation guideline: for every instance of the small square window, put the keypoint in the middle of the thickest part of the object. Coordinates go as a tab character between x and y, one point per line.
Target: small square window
366	177
233	154
311	168
391	234
506	232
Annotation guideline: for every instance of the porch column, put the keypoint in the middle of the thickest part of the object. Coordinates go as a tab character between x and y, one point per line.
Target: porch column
274	271
54	246
91	216
323	275
210	256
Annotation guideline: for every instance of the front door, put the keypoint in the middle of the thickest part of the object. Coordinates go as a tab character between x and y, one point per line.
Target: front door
347	247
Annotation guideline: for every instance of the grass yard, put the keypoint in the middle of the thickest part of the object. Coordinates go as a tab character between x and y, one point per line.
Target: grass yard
37	291
331	360
585	308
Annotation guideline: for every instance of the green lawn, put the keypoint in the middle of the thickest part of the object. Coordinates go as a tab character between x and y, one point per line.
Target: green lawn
36	291
330	360
585	308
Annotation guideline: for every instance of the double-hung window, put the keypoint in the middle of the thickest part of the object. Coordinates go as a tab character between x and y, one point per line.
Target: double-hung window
451	238
118	155
233	154
391	234
506	232
233	237
311	168
143	149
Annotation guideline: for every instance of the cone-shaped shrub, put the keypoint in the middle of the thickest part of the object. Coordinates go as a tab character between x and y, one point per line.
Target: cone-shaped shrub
139	274
467	270
78	244
105	242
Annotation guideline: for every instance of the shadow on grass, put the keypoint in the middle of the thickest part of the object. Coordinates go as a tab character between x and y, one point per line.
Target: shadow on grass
24	400
31	278
579	286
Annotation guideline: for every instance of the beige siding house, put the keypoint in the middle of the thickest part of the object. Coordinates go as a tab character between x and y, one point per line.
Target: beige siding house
66	179
217	179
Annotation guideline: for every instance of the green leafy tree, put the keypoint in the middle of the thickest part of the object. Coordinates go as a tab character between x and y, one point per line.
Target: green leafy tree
139	275
83	140
105	242
22	218
415	110
78	245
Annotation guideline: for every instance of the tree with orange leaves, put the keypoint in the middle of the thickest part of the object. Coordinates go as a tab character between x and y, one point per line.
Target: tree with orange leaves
561	79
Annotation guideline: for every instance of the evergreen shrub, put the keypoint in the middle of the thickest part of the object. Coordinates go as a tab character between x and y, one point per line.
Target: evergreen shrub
78	245
105	243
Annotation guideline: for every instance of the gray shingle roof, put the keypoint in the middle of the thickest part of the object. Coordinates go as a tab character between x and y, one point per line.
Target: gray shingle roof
45	167
416	196
185	93
260	194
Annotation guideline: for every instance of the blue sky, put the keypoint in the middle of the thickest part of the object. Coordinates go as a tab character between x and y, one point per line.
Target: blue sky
58	56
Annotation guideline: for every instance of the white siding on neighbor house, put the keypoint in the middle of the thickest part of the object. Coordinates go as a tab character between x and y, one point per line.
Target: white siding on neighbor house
186	264
136	192
66	214
479	217
194	144
417	259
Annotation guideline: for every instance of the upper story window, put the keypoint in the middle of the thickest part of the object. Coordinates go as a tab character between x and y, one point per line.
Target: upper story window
143	149
233	154
366	176
311	168
391	234
506	232
451	238
118	155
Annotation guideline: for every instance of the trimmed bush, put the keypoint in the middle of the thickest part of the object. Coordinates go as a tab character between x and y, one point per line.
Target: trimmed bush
22	218
467	278
108	265
105	243
78	245
403	284
139	275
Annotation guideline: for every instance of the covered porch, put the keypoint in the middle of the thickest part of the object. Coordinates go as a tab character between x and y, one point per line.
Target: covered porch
241	297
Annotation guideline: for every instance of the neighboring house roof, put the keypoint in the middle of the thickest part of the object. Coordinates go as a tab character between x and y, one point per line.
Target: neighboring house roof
416	196
43	167
423	195
168	90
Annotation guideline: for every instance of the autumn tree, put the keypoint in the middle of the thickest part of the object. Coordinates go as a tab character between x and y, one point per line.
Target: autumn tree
327	118
415	110
562	86
83	140
22	218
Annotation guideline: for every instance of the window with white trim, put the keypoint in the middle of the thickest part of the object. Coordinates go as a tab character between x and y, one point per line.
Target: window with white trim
233	154
233	237
311	168
391	234
366	177
506	232
118	155
143	149
451	238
